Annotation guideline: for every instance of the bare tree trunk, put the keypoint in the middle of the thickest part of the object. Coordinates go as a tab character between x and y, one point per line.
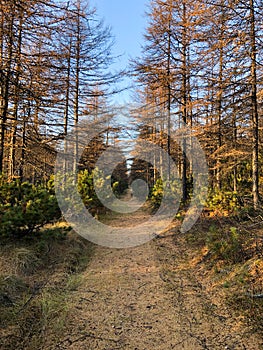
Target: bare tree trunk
16	101
77	84
219	116
2	102
23	146
254	105
66	112
220	93
169	96
234	141
5	89
184	101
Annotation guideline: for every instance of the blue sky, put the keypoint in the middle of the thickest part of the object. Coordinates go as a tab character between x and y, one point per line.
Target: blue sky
128	21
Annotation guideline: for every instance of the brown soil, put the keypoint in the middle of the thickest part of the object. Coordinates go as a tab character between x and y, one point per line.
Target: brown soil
150	297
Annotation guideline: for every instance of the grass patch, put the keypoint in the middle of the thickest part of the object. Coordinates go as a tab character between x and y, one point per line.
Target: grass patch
230	251
251	307
37	278
26	261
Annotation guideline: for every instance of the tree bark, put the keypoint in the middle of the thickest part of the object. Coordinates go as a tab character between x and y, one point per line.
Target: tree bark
6	87
254	108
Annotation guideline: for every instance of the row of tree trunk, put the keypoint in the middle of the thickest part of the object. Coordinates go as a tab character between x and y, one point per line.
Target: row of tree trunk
54	63
201	66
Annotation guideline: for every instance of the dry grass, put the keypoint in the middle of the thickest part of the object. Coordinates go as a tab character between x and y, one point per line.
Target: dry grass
37	276
236	275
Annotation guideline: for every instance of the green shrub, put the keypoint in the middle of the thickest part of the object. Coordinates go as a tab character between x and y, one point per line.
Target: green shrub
171	188
76	191
223	200
225	245
157	193
25	207
87	191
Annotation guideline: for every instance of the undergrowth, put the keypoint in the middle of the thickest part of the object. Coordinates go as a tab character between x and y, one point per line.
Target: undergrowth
37	278
231	248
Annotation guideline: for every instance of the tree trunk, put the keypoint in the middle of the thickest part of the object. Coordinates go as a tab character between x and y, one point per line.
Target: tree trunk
77	84
16	102
5	89
184	102
254	107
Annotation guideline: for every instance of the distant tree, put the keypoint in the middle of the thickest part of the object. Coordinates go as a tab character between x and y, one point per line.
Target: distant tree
166	65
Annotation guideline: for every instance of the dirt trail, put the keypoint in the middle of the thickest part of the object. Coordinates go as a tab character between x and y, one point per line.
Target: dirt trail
133	299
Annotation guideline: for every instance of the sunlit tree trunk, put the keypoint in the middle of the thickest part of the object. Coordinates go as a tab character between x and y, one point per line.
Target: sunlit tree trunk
254	105
6	66
184	99
13	133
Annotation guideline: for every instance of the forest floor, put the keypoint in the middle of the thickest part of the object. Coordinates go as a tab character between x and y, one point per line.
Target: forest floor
162	295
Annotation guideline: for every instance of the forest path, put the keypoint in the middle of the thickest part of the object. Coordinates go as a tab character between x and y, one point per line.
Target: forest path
146	298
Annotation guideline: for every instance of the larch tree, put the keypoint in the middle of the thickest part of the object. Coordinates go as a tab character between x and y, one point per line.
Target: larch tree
201	63
166	66
52	56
